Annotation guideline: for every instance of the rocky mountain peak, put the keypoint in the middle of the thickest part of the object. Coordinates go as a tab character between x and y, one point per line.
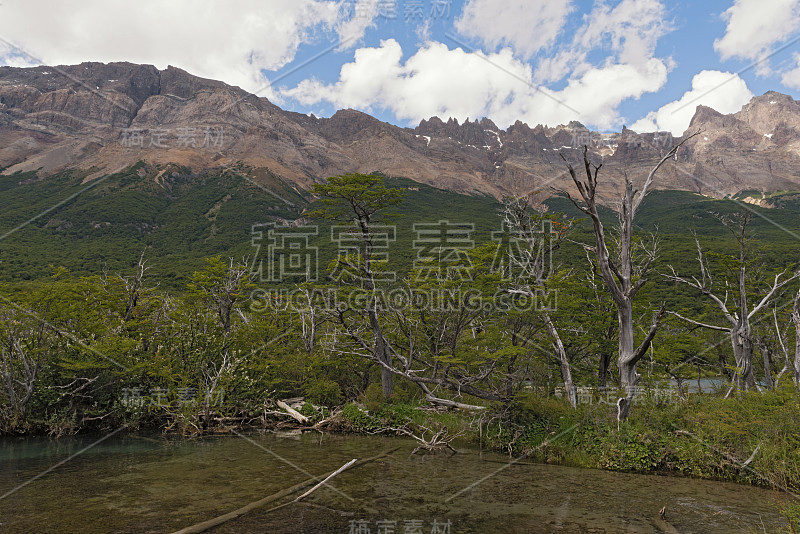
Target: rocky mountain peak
473	133
179	83
487	124
82	116
704	115
774	115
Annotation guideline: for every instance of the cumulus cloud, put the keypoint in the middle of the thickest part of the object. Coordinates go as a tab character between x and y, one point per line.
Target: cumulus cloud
628	32
791	78
453	83
722	91
599	91
510	83
524	25
755	26
352	27
434	81
232	41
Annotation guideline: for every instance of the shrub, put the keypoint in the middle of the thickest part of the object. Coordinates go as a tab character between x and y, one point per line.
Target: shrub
325	392
361	420
373	397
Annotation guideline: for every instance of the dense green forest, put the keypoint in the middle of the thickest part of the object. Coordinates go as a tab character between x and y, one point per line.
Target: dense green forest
164	298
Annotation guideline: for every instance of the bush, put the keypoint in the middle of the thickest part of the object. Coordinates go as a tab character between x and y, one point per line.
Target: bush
373	397
361	420
309	411
324	392
631	450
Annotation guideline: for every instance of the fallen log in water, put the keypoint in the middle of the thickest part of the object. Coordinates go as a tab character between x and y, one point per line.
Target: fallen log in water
205	525
300	418
312	490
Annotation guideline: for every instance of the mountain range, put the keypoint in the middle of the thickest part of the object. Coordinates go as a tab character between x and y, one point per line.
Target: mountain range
100	118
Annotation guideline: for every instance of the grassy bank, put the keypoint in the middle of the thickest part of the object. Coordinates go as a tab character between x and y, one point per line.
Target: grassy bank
752	439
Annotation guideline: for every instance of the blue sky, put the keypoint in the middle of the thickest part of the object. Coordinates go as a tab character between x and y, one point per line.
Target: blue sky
643	63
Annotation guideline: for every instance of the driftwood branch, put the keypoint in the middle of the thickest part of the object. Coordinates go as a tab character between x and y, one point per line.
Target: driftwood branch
206	525
312	490
439	440
452	404
297	416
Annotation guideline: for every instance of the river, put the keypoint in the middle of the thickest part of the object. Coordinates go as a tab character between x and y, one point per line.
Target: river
144	483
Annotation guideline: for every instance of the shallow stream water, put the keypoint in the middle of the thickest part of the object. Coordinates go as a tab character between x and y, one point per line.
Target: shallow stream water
137	484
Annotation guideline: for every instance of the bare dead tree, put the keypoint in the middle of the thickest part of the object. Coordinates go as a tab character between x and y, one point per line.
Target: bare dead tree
311	318
133	301
134	286
532	261
622	276
226	295
739	314
795	321
788	364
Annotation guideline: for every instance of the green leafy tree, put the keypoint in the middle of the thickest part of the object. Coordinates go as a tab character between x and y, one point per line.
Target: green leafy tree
360	201
219	291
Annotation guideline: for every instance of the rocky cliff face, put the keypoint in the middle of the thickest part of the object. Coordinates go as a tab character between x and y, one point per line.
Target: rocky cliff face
103	117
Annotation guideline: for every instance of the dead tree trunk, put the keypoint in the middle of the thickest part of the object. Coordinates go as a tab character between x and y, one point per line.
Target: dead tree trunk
621	276
796	321
566	373
531	262
739	320
766	354
133	287
787	363
310	321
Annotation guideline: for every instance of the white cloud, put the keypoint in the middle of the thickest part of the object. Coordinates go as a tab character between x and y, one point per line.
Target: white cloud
791	78
629	32
500	85
723	91
454	83
525	25
755	26
599	91
353	26
633	28
434	81
231	41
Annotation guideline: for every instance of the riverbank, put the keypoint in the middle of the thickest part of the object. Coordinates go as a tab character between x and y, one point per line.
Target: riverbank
752	439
